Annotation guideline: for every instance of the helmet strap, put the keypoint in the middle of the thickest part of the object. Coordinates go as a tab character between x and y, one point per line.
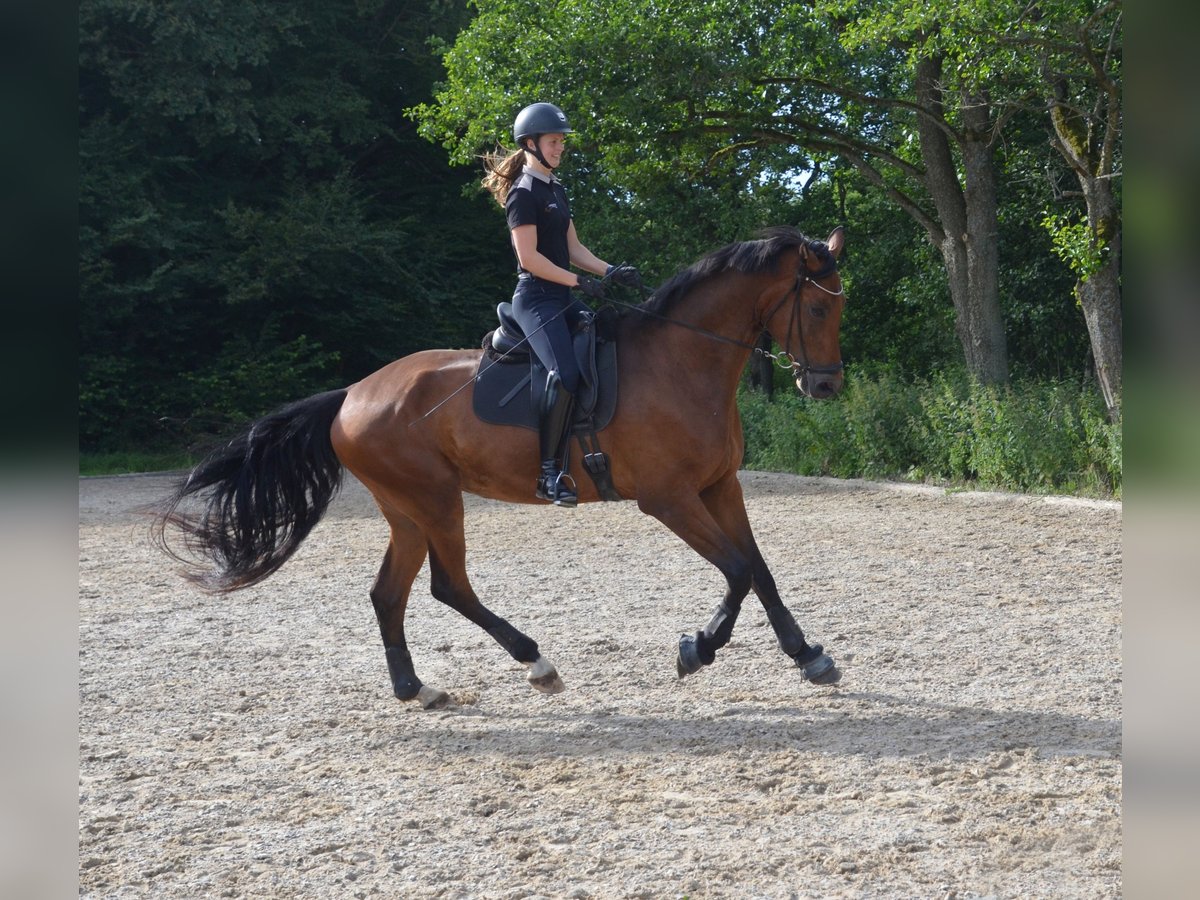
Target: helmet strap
536	150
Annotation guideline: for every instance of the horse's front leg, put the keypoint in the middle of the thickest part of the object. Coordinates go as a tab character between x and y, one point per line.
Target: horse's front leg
689	518
727	506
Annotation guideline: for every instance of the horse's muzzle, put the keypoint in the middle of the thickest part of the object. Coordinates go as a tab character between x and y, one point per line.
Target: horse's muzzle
820	385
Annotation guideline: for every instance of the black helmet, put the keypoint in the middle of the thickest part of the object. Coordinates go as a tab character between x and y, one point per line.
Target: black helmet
540	118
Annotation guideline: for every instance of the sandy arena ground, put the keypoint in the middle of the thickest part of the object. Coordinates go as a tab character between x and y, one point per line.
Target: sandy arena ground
249	745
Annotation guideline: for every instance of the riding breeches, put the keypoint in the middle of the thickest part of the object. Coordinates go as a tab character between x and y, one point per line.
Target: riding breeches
547	313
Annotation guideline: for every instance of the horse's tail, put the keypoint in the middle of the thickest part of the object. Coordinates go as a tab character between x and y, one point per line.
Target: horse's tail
259	496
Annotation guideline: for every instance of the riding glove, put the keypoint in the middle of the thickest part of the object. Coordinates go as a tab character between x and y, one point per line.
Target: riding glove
624	275
590	287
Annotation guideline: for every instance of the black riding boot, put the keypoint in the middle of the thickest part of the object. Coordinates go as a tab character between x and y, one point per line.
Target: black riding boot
553	483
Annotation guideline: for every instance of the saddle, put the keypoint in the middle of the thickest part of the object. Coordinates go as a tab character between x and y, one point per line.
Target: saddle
510	382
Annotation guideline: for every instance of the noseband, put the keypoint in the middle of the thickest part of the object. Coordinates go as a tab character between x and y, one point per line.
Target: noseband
785	359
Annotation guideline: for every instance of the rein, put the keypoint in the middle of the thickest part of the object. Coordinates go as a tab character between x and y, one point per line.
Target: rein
785	360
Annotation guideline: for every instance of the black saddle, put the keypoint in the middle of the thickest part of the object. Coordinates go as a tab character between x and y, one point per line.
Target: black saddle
510	380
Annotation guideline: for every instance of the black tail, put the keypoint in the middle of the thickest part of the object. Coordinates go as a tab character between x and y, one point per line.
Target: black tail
260	495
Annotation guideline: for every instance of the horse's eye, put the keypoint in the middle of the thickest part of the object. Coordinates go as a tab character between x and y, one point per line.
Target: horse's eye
818	312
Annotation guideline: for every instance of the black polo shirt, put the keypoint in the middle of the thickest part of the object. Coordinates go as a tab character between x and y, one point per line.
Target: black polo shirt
535	199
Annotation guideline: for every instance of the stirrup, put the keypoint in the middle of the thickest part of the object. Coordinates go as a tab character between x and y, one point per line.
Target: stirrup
553	486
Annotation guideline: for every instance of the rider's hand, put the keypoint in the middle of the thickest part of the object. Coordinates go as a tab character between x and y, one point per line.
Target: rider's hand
624	275
590	287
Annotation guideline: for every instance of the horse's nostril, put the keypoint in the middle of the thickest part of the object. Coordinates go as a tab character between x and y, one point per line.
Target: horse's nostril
826	388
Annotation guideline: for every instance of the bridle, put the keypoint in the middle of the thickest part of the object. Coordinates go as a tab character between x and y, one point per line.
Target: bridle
784	359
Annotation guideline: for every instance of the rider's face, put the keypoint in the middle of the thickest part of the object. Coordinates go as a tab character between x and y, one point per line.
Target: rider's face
552	147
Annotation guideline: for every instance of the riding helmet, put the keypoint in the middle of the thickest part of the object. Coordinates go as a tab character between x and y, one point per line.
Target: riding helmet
539	118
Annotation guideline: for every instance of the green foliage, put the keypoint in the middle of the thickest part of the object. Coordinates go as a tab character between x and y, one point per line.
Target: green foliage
262	213
1075	244
1035	436
658	173
700	120
127	462
258	220
898	316
1046	331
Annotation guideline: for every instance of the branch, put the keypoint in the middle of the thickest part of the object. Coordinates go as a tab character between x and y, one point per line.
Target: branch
854	152
1112	128
935	231
849	94
1101	13
1009	110
811	132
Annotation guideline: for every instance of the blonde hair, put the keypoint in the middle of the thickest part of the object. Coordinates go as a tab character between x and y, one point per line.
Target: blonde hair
501	172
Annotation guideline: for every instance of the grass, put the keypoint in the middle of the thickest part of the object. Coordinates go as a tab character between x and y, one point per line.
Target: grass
124	463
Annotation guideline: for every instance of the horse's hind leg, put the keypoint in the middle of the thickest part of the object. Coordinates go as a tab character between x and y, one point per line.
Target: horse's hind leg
449	584
401	564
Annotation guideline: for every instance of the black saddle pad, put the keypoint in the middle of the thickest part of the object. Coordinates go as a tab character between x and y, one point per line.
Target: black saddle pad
511	393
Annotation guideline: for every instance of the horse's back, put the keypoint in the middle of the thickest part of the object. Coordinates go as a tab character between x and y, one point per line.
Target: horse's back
392	406
404	386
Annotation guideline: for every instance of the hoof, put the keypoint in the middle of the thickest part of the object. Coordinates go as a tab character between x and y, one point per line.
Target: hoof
432	698
688	662
820	670
544	677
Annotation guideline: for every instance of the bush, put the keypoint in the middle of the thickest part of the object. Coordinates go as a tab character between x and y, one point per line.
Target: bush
1037	436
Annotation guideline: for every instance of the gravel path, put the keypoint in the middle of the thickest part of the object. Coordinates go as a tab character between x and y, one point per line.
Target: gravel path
249	745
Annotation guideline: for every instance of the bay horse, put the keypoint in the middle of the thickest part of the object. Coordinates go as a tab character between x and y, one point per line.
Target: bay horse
674	446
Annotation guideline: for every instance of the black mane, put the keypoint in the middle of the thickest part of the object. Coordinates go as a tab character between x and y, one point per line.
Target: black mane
747	257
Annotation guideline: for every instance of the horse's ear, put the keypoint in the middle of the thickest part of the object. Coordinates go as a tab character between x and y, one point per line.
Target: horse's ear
836	241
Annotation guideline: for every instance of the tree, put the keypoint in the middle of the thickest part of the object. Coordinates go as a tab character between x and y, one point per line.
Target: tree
756	96
258	219
754	93
1079	50
1017	57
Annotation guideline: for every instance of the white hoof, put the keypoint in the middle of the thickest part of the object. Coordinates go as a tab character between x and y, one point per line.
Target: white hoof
544	677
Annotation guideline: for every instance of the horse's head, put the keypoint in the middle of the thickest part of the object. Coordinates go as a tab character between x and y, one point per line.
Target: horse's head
805	320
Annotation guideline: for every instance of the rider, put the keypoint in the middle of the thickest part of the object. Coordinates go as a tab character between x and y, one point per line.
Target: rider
544	241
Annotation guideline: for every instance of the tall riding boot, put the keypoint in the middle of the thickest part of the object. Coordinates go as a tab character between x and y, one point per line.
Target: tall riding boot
553	483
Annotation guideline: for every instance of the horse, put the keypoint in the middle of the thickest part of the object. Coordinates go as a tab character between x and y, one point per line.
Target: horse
674	445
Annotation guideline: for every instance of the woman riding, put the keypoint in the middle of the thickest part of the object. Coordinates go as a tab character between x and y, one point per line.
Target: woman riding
546	246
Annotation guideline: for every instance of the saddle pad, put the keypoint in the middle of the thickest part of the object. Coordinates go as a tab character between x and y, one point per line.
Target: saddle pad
511	394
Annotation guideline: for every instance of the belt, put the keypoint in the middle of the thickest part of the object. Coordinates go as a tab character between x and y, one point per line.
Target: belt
526	278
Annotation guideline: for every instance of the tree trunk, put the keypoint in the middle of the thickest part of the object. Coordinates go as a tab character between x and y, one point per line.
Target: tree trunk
762	370
1100	294
967	221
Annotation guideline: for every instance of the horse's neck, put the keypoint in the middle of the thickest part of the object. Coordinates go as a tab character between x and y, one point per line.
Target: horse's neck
712	325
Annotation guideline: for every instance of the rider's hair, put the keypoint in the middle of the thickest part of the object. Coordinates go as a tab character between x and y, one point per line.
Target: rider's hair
501	172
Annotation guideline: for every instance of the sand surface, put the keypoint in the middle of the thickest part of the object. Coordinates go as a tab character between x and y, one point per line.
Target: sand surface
249	745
